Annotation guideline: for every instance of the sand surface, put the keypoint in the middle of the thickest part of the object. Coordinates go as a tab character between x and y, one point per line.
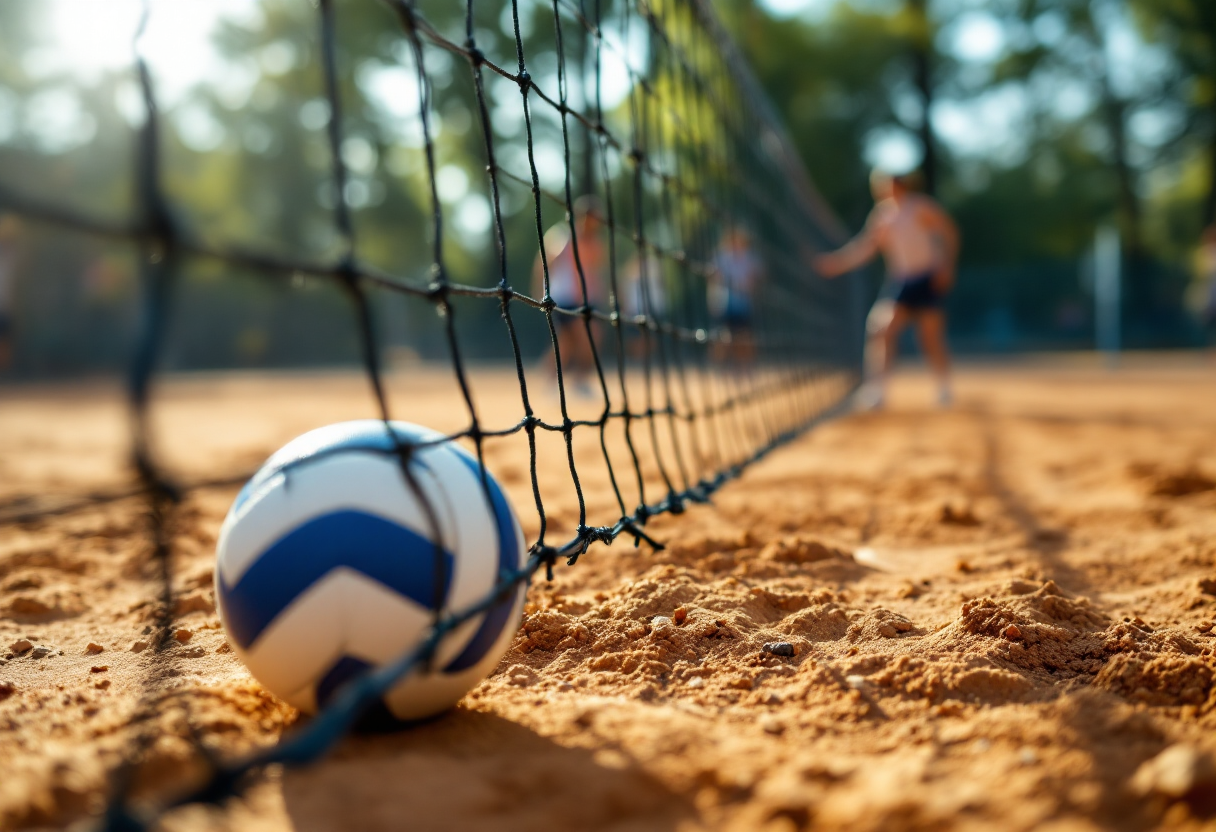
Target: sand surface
1001	618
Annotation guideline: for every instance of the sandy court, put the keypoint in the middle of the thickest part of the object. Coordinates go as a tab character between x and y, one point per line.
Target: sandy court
1001	618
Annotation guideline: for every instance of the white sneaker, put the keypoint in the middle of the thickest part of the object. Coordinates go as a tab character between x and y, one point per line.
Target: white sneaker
869	397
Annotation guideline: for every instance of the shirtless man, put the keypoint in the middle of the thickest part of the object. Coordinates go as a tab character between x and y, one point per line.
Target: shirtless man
919	244
567	290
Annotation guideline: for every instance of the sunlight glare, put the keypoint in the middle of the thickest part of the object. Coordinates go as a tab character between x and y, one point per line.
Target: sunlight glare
91	37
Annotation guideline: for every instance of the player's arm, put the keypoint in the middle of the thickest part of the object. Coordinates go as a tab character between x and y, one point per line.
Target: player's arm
940	223
856	252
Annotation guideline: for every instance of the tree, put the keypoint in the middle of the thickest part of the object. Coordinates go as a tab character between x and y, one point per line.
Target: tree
1187	29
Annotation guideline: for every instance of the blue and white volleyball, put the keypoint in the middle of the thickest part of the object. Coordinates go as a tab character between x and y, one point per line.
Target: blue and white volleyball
327	562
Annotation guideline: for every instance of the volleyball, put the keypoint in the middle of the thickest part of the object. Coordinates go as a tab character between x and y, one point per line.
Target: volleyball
329	562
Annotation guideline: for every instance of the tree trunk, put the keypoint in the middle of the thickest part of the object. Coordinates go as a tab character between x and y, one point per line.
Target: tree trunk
922	55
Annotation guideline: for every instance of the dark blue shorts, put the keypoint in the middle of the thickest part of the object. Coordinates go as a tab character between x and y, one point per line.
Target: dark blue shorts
736	315
919	293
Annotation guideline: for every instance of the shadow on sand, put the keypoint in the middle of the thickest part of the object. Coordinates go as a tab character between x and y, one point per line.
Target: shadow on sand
475	771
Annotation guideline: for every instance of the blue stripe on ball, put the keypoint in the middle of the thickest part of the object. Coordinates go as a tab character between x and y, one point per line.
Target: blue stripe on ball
342	671
508	560
398	557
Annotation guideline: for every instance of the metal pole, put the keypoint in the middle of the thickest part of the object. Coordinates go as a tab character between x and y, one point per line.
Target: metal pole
1108	293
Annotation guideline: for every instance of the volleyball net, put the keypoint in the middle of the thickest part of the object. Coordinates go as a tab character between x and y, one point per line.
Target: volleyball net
599	186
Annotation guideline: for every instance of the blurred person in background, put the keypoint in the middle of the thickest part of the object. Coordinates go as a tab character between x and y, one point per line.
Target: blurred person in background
566	289
8	279
641	298
735	276
919	244
1205	295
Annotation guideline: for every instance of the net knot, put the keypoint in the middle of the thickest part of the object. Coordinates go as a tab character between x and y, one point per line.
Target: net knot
630	527
524	80
476	56
547	556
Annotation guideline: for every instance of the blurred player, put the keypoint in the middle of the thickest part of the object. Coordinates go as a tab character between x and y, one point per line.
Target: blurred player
919	244
8	277
567	290
1207	278
736	276
638	298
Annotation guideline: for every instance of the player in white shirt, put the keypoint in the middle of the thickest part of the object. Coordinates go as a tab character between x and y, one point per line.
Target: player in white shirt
1207	277
919	245
638	298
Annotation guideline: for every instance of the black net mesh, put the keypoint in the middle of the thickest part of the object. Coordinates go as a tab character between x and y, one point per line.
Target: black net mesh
648	222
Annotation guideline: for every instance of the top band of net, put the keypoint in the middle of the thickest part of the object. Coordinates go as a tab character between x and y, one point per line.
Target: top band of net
691	155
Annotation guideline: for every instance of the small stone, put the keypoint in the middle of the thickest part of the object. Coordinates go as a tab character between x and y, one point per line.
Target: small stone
855	682
21	645
659	621
565	686
1012	632
102	668
139	646
772	726
779	648
194	652
93	647
182	634
7	689
101	684
1176	772
696	682
224	648
41	652
1027	757
679	616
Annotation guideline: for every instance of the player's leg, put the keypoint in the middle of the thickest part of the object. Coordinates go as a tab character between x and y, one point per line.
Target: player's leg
901	315
6	342
931	327
883	325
